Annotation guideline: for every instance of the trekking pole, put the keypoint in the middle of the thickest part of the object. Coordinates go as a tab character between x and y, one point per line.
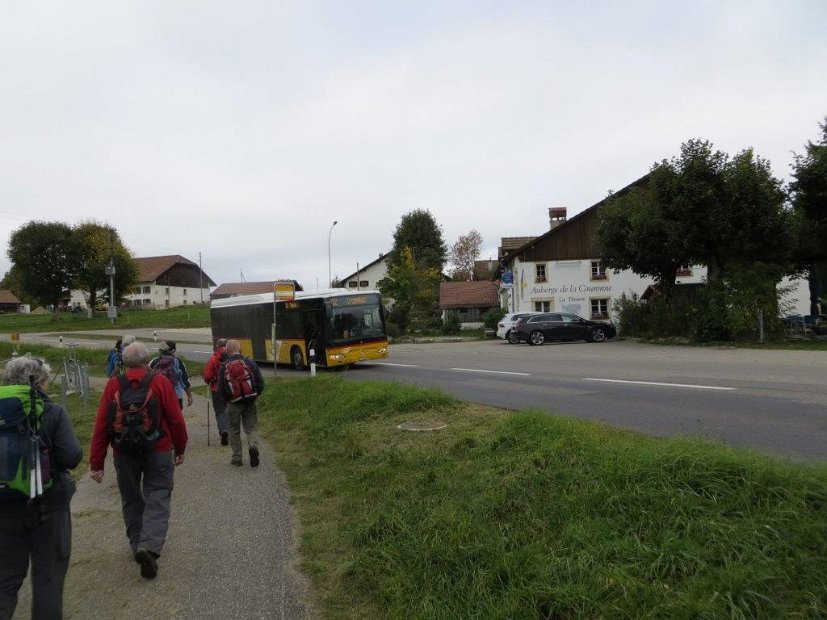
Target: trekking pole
35	477
208	422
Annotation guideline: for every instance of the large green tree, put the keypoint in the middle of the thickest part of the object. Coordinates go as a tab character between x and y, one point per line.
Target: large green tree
809	198
701	207
419	231
45	256
414	287
98	245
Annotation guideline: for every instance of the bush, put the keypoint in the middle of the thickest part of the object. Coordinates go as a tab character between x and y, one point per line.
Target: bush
712	312
392	330
492	317
451	324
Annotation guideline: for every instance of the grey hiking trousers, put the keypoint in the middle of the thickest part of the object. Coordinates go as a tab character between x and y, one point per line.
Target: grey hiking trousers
242	415
145	483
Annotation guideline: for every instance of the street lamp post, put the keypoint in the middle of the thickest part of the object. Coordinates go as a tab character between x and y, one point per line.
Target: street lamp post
329	273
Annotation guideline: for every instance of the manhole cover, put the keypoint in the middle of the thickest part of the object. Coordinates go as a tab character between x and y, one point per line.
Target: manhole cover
422	425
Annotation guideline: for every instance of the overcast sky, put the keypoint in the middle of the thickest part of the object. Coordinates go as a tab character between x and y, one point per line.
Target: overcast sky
242	130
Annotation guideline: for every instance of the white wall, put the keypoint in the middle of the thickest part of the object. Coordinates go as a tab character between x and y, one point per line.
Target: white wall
569	286
161	296
157	297
372	275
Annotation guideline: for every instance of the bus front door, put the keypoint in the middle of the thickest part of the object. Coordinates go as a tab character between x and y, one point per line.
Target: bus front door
313	324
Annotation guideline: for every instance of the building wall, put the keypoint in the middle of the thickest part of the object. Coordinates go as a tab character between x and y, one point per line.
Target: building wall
368	278
569	287
159	296
151	296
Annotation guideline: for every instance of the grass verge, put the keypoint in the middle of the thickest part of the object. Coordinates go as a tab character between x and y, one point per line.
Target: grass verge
503	515
179	317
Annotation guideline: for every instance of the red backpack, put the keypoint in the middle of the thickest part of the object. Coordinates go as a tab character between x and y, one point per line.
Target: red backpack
134	419
241	385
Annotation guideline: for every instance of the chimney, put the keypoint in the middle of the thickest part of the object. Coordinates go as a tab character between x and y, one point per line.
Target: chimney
556	216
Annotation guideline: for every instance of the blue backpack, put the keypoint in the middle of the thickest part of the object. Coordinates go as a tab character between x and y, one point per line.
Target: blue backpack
24	457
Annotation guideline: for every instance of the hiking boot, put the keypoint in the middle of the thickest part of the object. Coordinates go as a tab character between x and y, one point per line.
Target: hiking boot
236	462
225	439
149	565
253	457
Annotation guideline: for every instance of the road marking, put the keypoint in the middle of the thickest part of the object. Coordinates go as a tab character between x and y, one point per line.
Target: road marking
681	385
493	372
390	364
203	352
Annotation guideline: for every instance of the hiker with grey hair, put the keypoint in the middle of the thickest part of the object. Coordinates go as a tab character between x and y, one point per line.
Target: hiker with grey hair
141	418
38	528
210	375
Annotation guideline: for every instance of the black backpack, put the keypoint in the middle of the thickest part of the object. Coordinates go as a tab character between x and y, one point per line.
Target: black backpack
134	416
24	457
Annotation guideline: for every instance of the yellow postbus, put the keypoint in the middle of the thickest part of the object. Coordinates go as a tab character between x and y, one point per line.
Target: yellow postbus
343	327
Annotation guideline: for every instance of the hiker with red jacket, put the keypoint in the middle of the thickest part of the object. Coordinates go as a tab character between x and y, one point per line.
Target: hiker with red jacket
240	382
139	415
210	375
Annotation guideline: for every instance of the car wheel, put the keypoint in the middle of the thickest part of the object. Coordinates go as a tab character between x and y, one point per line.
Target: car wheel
537	337
511	337
598	334
296	359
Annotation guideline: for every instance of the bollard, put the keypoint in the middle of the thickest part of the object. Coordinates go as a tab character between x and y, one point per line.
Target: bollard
312	362
60	342
155	335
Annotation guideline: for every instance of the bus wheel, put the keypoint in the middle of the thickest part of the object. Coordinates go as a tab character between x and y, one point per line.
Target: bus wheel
296	359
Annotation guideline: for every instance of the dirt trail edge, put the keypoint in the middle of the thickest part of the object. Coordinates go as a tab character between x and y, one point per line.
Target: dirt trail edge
230	551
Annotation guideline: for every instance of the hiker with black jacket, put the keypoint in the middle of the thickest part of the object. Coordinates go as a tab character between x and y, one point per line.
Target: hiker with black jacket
240	381
39	528
141	418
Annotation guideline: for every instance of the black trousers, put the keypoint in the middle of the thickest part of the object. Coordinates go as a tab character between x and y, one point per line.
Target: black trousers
48	544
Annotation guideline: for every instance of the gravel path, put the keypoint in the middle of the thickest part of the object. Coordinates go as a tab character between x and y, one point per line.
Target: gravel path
230	550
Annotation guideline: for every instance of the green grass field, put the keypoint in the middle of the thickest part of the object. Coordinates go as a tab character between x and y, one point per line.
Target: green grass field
182	316
525	515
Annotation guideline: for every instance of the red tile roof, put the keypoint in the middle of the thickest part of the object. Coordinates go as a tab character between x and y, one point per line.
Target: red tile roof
7	297
230	289
151	267
469	294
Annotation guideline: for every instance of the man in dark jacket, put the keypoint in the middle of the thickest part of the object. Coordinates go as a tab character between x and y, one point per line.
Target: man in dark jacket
40	529
233	381
144	480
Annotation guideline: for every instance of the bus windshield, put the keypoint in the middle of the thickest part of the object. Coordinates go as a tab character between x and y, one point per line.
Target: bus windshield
355	323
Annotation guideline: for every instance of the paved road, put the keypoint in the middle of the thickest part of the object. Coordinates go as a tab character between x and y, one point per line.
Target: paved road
770	400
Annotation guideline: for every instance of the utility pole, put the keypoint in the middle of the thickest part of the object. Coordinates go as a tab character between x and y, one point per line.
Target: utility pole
200	278
110	271
329	274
